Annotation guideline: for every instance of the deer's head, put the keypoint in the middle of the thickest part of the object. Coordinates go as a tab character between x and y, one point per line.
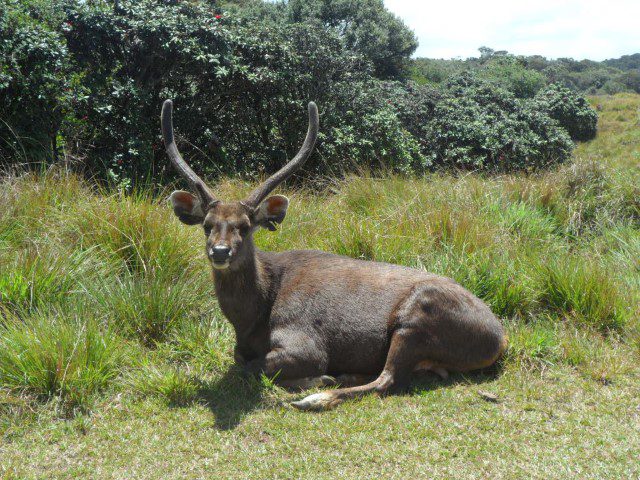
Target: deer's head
229	226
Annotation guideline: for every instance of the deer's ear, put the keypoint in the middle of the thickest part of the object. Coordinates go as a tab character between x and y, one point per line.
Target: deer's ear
272	211
187	207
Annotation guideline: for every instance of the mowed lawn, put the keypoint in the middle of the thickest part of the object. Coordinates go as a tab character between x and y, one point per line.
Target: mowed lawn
115	361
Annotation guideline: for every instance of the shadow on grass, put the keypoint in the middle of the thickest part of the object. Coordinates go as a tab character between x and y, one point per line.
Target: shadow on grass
231	397
421	382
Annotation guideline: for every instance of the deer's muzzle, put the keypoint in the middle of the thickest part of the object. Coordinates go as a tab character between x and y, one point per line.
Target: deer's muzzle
220	254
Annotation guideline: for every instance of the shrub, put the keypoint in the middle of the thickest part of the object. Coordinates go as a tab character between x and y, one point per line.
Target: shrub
571	110
478	125
364	129
525	75
415	106
35	83
367	28
511	74
240	85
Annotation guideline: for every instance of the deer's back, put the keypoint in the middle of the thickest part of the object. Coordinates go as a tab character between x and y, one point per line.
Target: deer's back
342	303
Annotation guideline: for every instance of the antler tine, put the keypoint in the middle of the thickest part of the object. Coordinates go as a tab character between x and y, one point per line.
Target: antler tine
296	162
176	159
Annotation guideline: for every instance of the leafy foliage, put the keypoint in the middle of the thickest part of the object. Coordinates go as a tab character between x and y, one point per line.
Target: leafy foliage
240	87
366	27
625	62
512	74
479	125
34	84
572	111
87	79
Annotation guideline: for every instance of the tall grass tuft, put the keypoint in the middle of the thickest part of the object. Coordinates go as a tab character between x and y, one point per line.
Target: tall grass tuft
149	306
505	290
50	354
38	277
169	383
134	231
583	292
207	341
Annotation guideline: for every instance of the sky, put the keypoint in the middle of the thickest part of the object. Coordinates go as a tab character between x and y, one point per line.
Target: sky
553	28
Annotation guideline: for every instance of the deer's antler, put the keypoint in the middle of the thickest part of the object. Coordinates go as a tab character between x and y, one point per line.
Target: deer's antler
259	194
178	162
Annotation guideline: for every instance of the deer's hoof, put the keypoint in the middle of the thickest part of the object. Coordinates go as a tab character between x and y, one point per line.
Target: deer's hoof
315	403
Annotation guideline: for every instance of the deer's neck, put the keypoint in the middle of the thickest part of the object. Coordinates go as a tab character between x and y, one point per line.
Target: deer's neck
243	293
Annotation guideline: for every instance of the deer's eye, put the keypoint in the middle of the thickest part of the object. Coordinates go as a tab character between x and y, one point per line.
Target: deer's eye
207	230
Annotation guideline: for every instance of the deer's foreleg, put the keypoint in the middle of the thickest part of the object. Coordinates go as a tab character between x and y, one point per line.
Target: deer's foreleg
294	356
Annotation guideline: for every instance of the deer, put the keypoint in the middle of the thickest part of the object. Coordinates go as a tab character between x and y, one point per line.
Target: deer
315	319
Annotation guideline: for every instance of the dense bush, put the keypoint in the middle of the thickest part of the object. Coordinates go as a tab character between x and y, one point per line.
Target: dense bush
240	86
572	111
88	78
625	62
479	125
415	106
512	74
35	79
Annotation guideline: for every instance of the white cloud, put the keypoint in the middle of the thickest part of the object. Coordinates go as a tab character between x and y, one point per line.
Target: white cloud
553	28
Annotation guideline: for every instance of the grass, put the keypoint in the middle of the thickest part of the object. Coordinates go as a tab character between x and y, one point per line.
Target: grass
584	292
116	361
50	355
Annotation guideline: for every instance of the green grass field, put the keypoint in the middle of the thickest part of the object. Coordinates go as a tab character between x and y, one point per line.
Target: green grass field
115	361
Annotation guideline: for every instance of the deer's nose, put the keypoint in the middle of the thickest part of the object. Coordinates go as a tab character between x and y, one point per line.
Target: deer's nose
220	253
